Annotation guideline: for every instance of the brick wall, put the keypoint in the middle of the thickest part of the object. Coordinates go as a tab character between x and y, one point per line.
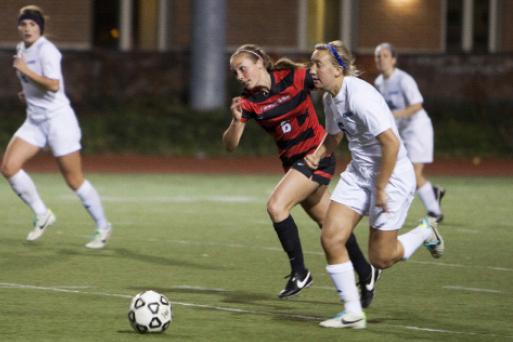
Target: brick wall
263	22
506	25
398	22
69	23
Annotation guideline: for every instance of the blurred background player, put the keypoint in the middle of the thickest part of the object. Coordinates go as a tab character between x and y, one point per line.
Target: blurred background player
405	101
379	182
50	122
278	98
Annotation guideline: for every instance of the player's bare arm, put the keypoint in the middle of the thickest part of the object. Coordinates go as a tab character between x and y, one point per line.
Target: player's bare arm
408	111
232	135
390	148
327	147
43	82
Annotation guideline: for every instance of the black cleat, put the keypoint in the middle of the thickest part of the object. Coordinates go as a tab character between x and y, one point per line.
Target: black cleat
367	287
295	284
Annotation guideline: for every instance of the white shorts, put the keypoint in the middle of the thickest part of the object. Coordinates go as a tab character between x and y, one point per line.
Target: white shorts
358	193
417	136
61	133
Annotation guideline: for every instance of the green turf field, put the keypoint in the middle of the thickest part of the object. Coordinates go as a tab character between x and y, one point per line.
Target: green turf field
206	243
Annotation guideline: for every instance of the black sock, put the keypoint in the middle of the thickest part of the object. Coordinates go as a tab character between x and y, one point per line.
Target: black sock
360	264
289	238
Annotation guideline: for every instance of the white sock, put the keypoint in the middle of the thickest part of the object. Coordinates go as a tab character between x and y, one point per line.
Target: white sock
93	204
413	240
24	187
427	196
342	276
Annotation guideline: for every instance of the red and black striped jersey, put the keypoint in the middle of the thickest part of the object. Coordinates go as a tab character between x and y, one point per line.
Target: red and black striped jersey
287	113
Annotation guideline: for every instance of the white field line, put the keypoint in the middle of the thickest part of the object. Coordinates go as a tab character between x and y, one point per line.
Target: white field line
471	289
176	199
275	249
441	264
237	310
199	288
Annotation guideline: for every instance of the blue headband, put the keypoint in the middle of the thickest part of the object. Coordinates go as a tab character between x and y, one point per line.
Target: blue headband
335	54
35	16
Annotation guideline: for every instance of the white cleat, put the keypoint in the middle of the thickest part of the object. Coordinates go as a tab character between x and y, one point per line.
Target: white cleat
435	243
41	222
100	238
346	320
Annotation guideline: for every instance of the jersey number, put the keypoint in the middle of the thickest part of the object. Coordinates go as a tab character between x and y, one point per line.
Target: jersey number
286	127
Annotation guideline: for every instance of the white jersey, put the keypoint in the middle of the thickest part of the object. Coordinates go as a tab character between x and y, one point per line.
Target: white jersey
400	91
361	113
43	58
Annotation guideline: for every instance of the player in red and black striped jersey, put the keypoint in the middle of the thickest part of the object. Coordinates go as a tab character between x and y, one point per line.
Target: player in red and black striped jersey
278	98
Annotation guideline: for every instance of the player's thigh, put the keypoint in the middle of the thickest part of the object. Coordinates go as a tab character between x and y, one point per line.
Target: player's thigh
316	205
292	189
339	223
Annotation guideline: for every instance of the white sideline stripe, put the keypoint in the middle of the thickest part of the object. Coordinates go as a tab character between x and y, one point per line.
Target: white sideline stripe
176	199
472	289
441	330
105	294
493	268
199	288
233	310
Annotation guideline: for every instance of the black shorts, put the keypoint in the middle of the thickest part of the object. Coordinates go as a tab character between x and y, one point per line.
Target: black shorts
323	174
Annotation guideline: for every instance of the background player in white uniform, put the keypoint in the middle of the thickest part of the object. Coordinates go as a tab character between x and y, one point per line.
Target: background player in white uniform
405	101
50	122
378	182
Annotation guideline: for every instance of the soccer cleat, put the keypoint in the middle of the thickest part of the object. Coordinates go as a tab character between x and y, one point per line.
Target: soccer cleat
100	238
434	243
346	320
367	287
295	284
41	222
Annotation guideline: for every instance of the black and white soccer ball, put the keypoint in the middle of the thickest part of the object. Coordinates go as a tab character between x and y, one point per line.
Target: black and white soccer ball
150	312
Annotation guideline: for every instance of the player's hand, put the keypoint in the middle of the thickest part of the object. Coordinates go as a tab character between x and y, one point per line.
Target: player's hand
236	108
312	161
19	63
381	199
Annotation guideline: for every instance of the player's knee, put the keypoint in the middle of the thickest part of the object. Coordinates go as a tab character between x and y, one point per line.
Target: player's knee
330	240
380	261
74	182
9	170
276	210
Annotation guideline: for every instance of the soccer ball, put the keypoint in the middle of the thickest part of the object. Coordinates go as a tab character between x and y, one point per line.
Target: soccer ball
150	312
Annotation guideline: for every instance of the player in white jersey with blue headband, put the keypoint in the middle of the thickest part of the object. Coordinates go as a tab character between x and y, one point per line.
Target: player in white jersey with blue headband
379	182
415	128
50	122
